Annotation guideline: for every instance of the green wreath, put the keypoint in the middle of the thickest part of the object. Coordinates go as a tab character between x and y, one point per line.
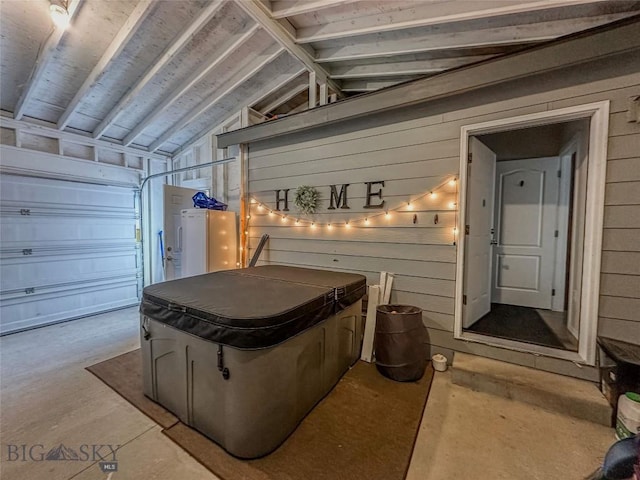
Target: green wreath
307	199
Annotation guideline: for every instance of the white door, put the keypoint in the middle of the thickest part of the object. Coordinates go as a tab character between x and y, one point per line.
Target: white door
477	256
176	199
526	209
67	250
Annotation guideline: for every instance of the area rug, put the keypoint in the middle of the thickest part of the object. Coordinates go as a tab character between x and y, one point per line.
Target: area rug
513	322
365	428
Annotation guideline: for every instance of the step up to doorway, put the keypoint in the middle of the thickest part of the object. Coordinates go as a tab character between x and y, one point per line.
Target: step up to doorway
566	395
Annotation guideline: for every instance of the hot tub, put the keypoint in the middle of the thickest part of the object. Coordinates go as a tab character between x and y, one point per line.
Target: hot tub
243	355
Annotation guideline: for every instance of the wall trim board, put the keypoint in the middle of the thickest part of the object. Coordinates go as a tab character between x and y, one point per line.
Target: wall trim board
31	163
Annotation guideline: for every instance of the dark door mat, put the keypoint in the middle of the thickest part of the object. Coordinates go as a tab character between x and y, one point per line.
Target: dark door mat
523	324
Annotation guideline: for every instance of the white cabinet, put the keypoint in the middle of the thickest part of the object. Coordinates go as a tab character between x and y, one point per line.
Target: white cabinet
209	241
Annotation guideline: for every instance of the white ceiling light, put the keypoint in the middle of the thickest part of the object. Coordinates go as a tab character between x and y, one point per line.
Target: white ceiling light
59	13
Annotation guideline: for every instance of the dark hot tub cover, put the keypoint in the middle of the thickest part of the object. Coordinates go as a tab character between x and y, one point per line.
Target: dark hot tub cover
251	308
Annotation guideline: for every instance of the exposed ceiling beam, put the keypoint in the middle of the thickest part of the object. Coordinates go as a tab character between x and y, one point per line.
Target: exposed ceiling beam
258	97
168	55
280	9
238	79
127	31
305	54
364	85
413	67
431	13
405	43
48	129
289	94
571	55
43	59
187	85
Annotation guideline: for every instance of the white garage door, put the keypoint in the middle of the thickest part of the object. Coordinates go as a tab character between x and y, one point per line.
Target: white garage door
67	250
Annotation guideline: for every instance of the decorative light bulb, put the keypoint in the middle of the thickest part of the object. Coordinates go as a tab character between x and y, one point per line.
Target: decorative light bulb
248	217
313	225
409	206
432	194
347	225
284	218
260	207
452	204
329	226
270	212
366	220
387	215
452	182
253	200
297	221
59	14
455	230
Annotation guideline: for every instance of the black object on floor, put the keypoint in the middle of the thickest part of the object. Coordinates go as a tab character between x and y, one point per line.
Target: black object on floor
513	322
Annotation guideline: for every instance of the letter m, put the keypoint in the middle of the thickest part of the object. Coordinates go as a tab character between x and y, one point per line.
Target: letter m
339	199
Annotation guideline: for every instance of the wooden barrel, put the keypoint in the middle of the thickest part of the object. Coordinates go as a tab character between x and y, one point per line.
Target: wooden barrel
399	342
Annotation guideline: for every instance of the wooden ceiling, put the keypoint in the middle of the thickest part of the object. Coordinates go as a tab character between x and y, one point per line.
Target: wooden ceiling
158	74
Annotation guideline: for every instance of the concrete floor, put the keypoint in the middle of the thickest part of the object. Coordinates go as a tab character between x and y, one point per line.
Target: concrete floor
47	398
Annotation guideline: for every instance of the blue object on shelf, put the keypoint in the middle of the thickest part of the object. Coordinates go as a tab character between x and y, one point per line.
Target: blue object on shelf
201	200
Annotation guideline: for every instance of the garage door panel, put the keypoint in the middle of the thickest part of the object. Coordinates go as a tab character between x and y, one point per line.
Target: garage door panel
67	249
59	193
39	271
64	304
28	231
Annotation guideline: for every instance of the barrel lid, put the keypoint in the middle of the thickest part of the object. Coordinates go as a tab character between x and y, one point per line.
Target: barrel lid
633	396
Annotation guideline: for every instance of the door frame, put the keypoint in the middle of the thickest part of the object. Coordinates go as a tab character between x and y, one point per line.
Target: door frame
598	113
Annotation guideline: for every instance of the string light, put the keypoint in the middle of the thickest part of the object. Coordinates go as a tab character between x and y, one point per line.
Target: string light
409	206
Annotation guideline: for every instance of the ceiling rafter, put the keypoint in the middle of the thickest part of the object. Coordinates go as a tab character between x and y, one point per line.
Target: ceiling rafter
503	36
288	95
280	9
43	59
282	35
163	60
411	67
369	85
425	15
188	84
255	99
118	44
205	105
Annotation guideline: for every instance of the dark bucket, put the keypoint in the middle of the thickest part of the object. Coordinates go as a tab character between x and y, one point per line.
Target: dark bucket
400	342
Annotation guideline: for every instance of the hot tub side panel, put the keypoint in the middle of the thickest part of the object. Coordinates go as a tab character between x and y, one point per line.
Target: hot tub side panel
267	392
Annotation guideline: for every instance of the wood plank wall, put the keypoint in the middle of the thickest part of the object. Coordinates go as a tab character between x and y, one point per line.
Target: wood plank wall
414	156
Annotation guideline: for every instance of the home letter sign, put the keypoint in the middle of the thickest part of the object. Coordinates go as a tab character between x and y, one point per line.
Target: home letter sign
285	200
339	199
374	194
